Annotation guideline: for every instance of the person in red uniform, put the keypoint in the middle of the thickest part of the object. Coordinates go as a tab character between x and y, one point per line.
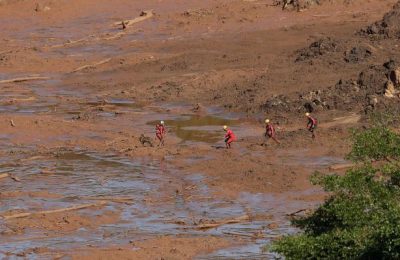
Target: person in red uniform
229	137
160	133
270	131
311	124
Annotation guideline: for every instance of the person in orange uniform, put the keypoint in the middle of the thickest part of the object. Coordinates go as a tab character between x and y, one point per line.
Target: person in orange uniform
311	124
270	131
229	137
160	133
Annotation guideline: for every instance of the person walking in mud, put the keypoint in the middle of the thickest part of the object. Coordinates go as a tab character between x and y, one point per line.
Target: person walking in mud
295	3
229	137
160	133
311	124
270	131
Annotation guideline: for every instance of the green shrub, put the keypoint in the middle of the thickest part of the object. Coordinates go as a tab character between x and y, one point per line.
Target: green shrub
361	218
376	143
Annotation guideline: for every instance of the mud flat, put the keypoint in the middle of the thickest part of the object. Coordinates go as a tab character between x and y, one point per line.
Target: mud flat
77	90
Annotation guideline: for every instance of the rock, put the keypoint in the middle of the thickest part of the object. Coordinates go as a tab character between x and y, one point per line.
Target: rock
372	100
357	54
41	8
319	48
388	27
395	77
389	89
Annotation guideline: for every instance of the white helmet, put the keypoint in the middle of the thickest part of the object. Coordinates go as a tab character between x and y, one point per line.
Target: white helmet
162	122
307	114
266	121
225	127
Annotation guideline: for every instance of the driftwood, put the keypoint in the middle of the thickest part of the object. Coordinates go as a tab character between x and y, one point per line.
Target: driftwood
341	166
22	79
78	207
255	236
111	199
70	42
91	66
143	16
12	123
223	222
15	178
296	212
6	175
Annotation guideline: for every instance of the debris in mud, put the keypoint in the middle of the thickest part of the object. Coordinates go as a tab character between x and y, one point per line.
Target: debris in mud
22	79
145	140
297	5
91	66
144	15
364	94
319	48
215	224
78	207
41	8
388	27
357	54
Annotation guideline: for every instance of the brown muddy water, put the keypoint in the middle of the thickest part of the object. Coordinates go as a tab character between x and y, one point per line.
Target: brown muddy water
79	176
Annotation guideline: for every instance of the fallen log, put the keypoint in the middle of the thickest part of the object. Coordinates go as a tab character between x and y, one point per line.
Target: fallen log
143	16
224	222
78	207
70	42
15	178
341	166
111	199
91	66
296	212
4	175
22	79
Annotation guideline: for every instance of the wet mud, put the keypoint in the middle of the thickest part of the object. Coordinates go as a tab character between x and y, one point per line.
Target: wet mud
77	91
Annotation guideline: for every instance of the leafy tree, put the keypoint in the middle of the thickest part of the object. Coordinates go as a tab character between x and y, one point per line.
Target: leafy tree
361	218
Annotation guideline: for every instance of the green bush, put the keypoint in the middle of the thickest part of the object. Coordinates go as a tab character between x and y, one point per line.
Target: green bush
361	218
375	143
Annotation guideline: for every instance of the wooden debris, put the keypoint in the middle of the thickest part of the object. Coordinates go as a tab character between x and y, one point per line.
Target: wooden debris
111	199
341	166
78	207
255	236
69	43
22	79
223	222
115	36
12	123
15	178
91	66
296	212
4	175
143	16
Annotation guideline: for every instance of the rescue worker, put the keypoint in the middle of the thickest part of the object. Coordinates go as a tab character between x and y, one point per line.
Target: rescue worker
311	124
160	133
295	4
270	131
229	137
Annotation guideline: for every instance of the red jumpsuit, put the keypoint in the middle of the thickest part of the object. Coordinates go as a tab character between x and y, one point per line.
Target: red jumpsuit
160	132
269	130
229	137
311	124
